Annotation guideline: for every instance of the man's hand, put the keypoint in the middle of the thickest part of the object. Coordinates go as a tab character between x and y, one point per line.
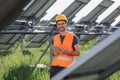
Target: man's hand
64	51
56	50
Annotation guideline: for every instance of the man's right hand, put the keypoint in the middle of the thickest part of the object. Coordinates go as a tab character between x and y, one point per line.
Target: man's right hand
56	50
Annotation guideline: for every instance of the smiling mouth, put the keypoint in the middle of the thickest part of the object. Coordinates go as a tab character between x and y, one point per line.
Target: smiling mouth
61	27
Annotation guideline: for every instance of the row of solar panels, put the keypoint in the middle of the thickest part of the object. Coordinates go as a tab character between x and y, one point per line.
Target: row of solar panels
77	5
38	8
8	40
36	40
11	10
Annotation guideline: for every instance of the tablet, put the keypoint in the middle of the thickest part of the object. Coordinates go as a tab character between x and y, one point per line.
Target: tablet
56	48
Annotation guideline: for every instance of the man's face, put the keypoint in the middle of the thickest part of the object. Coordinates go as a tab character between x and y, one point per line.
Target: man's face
61	25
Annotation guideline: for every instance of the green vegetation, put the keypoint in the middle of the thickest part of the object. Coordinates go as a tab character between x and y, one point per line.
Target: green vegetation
15	64
84	48
115	76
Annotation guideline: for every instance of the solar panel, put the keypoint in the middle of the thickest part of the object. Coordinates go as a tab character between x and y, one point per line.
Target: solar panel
102	60
76	6
7	40
92	16
10	10
5	47
38	9
70	11
111	17
37	40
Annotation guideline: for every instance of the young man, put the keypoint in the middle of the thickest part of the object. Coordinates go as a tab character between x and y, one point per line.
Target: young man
65	47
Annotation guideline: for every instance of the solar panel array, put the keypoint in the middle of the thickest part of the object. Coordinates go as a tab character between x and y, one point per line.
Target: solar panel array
23	18
35	10
111	17
92	16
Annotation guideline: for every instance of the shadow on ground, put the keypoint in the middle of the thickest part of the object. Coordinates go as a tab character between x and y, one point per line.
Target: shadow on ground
26	52
20	73
5	53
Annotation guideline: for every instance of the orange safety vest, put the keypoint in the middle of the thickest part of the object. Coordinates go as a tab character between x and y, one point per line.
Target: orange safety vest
64	60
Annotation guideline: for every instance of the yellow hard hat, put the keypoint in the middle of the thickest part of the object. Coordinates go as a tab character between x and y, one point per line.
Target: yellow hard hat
61	17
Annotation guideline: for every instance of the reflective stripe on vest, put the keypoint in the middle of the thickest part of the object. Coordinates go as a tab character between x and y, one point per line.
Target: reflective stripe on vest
64	58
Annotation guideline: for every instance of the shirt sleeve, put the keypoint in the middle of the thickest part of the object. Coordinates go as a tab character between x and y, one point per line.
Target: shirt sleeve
75	41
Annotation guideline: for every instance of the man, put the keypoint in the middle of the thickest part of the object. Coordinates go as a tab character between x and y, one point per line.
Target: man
65	47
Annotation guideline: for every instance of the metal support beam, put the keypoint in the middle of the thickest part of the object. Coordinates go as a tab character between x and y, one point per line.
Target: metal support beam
49	32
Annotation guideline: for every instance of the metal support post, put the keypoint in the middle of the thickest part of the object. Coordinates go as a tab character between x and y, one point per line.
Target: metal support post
51	43
22	45
33	23
40	57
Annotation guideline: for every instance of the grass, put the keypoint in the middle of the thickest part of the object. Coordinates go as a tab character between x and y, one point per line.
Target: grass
115	76
15	64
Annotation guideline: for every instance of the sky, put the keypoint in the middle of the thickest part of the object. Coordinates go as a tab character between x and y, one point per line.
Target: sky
60	5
